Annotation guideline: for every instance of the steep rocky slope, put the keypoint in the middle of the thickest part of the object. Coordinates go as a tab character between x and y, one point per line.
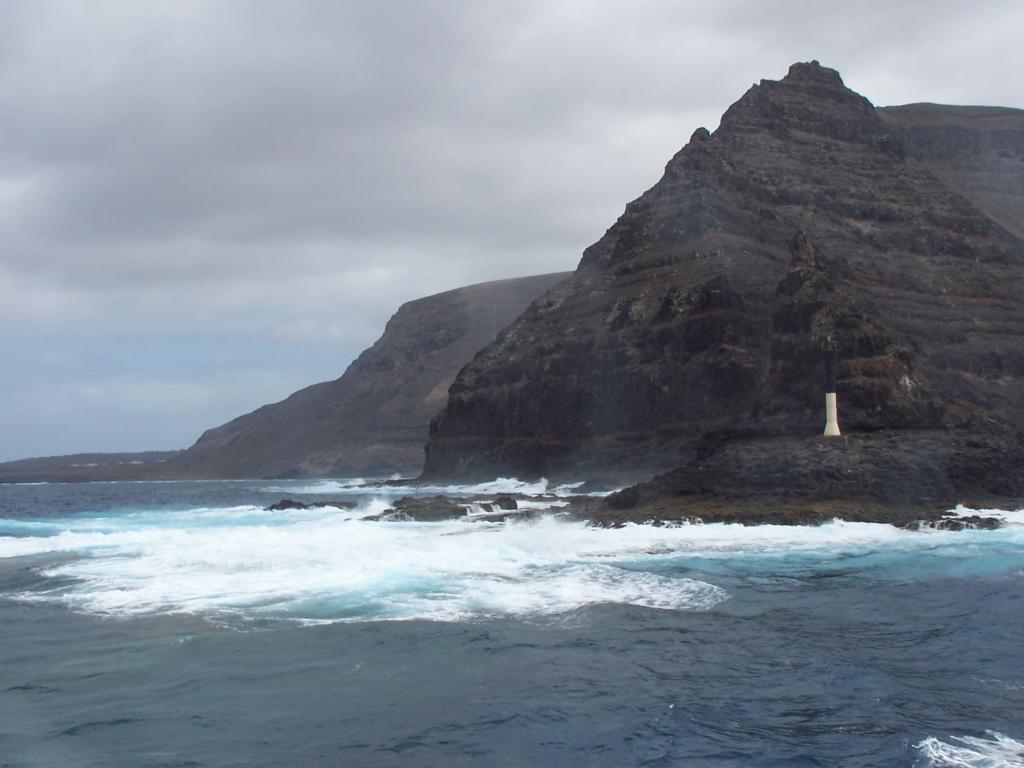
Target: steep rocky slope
978	151
698	318
890	476
373	420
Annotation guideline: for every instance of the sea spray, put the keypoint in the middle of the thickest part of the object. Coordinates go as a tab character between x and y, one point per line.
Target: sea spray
501	485
331	564
994	750
542	641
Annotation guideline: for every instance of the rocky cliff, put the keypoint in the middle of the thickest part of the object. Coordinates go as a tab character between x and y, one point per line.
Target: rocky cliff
977	151
373	420
698	319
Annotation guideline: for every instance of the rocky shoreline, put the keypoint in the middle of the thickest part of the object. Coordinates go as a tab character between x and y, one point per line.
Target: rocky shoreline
607	513
901	477
912	479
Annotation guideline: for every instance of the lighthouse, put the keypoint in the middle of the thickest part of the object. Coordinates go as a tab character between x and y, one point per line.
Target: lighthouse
828	349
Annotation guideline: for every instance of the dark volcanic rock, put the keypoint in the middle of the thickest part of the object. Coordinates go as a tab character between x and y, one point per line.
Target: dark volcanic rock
374	419
293	504
978	151
699	317
438	508
893	476
969	522
424	510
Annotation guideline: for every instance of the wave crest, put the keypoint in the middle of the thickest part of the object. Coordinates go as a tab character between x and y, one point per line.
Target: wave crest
996	751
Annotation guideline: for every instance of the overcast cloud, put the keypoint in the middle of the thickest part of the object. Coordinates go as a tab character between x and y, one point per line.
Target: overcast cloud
205	205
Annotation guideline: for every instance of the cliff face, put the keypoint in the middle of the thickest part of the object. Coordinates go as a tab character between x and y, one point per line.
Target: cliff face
977	151
805	217
373	420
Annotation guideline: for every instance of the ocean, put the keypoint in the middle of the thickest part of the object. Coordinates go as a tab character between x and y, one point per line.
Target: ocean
150	624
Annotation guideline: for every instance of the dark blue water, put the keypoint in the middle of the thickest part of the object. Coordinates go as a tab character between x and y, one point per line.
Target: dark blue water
178	624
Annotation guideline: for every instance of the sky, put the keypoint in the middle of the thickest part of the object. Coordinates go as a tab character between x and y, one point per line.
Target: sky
205	206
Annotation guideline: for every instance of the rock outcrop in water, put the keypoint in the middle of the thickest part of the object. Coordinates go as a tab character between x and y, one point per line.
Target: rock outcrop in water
903	477
691	333
374	419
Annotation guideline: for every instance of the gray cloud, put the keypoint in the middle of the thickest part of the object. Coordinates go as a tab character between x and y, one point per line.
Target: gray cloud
294	171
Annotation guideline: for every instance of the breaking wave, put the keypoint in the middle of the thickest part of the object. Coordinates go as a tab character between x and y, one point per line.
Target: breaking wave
1011	517
328	564
501	485
995	751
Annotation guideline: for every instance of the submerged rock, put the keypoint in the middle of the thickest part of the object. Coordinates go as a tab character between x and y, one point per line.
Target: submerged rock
423	510
499	509
510	515
968	522
285	504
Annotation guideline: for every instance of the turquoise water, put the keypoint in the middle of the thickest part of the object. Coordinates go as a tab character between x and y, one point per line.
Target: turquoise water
182	624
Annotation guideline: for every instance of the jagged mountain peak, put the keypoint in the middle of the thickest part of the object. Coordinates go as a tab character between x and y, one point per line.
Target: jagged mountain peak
810	100
813	72
701	309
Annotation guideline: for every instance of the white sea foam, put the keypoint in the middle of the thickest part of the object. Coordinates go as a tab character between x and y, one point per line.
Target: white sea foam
330	564
1011	517
333	565
501	485
995	751
350	485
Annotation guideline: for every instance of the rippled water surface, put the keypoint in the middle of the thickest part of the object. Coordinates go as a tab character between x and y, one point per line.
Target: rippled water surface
182	624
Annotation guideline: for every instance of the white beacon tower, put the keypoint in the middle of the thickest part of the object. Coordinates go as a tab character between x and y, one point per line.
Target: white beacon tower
831	410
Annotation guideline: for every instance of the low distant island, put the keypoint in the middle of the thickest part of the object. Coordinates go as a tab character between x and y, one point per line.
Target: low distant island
683	360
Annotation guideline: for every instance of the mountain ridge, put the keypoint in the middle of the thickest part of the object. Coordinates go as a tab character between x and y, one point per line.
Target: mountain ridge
702	310
373	419
978	151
